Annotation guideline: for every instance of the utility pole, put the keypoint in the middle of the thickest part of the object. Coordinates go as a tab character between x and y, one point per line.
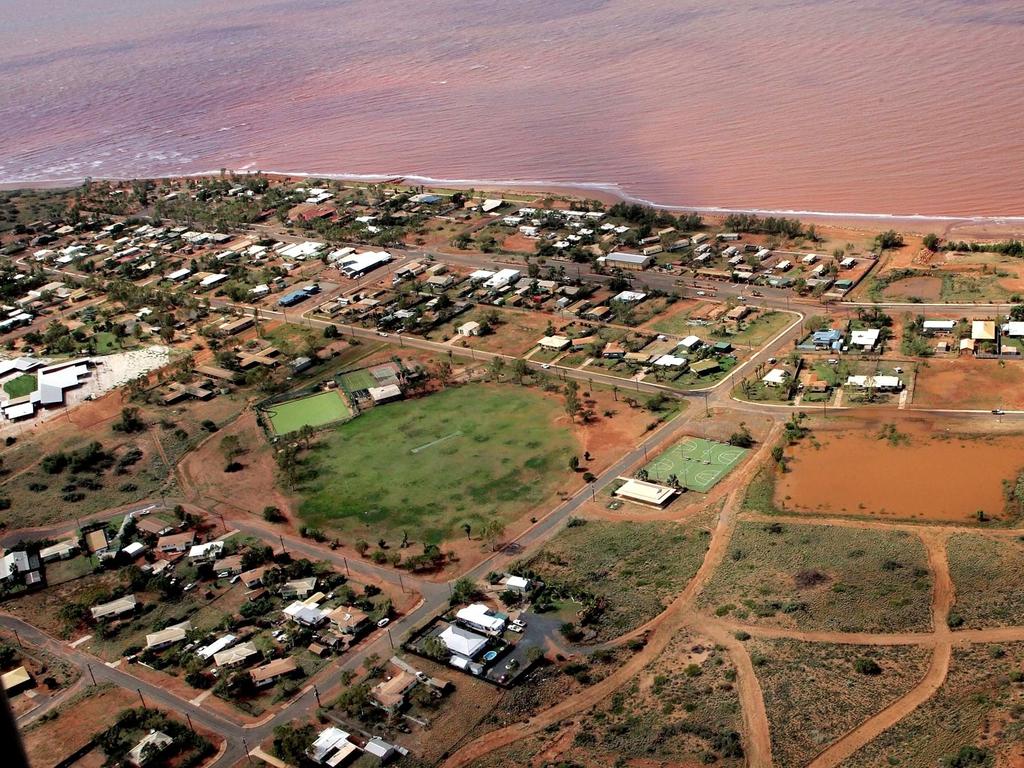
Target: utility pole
391	640
345	561
707	413
281	539
245	746
316	692
190	726
140	697
91	675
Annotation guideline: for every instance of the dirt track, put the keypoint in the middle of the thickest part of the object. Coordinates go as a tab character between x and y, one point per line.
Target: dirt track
757	737
659	633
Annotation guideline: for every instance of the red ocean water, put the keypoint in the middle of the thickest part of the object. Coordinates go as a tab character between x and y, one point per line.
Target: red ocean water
890	106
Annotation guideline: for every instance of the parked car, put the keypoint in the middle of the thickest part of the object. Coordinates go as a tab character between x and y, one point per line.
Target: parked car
515	628
519	622
384	622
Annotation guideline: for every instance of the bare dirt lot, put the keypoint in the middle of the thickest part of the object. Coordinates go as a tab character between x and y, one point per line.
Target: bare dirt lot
920	473
923	288
969	383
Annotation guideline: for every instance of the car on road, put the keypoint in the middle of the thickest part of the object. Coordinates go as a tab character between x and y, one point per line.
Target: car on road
998	411
832	361
756	293
383	622
515	628
701	293
545	366
741	299
381	333
772	359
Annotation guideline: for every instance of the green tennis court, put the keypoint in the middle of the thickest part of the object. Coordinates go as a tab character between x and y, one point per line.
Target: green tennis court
312	411
697	464
356	381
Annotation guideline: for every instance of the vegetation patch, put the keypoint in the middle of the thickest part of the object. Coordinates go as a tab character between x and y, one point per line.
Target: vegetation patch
823	577
616	575
816	692
975	719
986	575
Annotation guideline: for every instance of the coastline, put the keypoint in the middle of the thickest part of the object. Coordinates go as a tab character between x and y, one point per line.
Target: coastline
977	225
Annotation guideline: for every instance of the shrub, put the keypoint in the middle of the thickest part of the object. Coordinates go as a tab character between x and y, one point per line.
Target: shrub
867	666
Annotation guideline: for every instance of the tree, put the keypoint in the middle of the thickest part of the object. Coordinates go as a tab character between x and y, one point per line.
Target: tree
468	529
434	648
889	239
464	590
931	242
520	370
361	547
572	400
741	438
443	371
492	532
130	421
273	515
574	463
291	741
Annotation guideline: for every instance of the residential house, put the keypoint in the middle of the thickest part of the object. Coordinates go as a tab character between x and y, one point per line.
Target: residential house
205	553
481	618
776	377
390	694
235	656
156	641
115	608
176	542
266	674
298	588
152	745
62	550
348	620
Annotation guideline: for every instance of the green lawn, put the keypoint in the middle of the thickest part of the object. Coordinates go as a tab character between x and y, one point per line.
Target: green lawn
426	466
21	386
313	411
757	331
357	380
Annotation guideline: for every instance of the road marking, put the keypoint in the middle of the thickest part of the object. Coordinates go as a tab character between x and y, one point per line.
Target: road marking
79	641
435	442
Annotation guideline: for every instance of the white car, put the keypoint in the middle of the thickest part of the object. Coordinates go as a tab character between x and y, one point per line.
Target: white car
383	622
520	622
545	366
701	293
515	628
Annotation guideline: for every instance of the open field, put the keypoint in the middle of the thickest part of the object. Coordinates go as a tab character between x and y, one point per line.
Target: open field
425	466
917	472
634	567
683	708
814	694
696	463
141	465
756	332
813	577
313	411
986	575
48	741
979	705
969	383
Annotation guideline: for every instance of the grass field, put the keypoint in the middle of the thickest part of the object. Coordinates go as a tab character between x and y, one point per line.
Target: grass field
820	577
813	693
313	411
986	576
636	567
21	386
696	463
977	706
426	466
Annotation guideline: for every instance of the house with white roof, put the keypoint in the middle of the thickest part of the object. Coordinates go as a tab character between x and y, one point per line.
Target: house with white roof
478	616
865	338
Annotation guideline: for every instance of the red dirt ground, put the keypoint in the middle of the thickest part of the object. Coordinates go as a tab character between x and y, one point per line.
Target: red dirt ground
966	382
937	475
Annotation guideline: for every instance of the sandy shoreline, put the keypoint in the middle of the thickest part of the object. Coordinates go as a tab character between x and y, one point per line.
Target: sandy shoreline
966	226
